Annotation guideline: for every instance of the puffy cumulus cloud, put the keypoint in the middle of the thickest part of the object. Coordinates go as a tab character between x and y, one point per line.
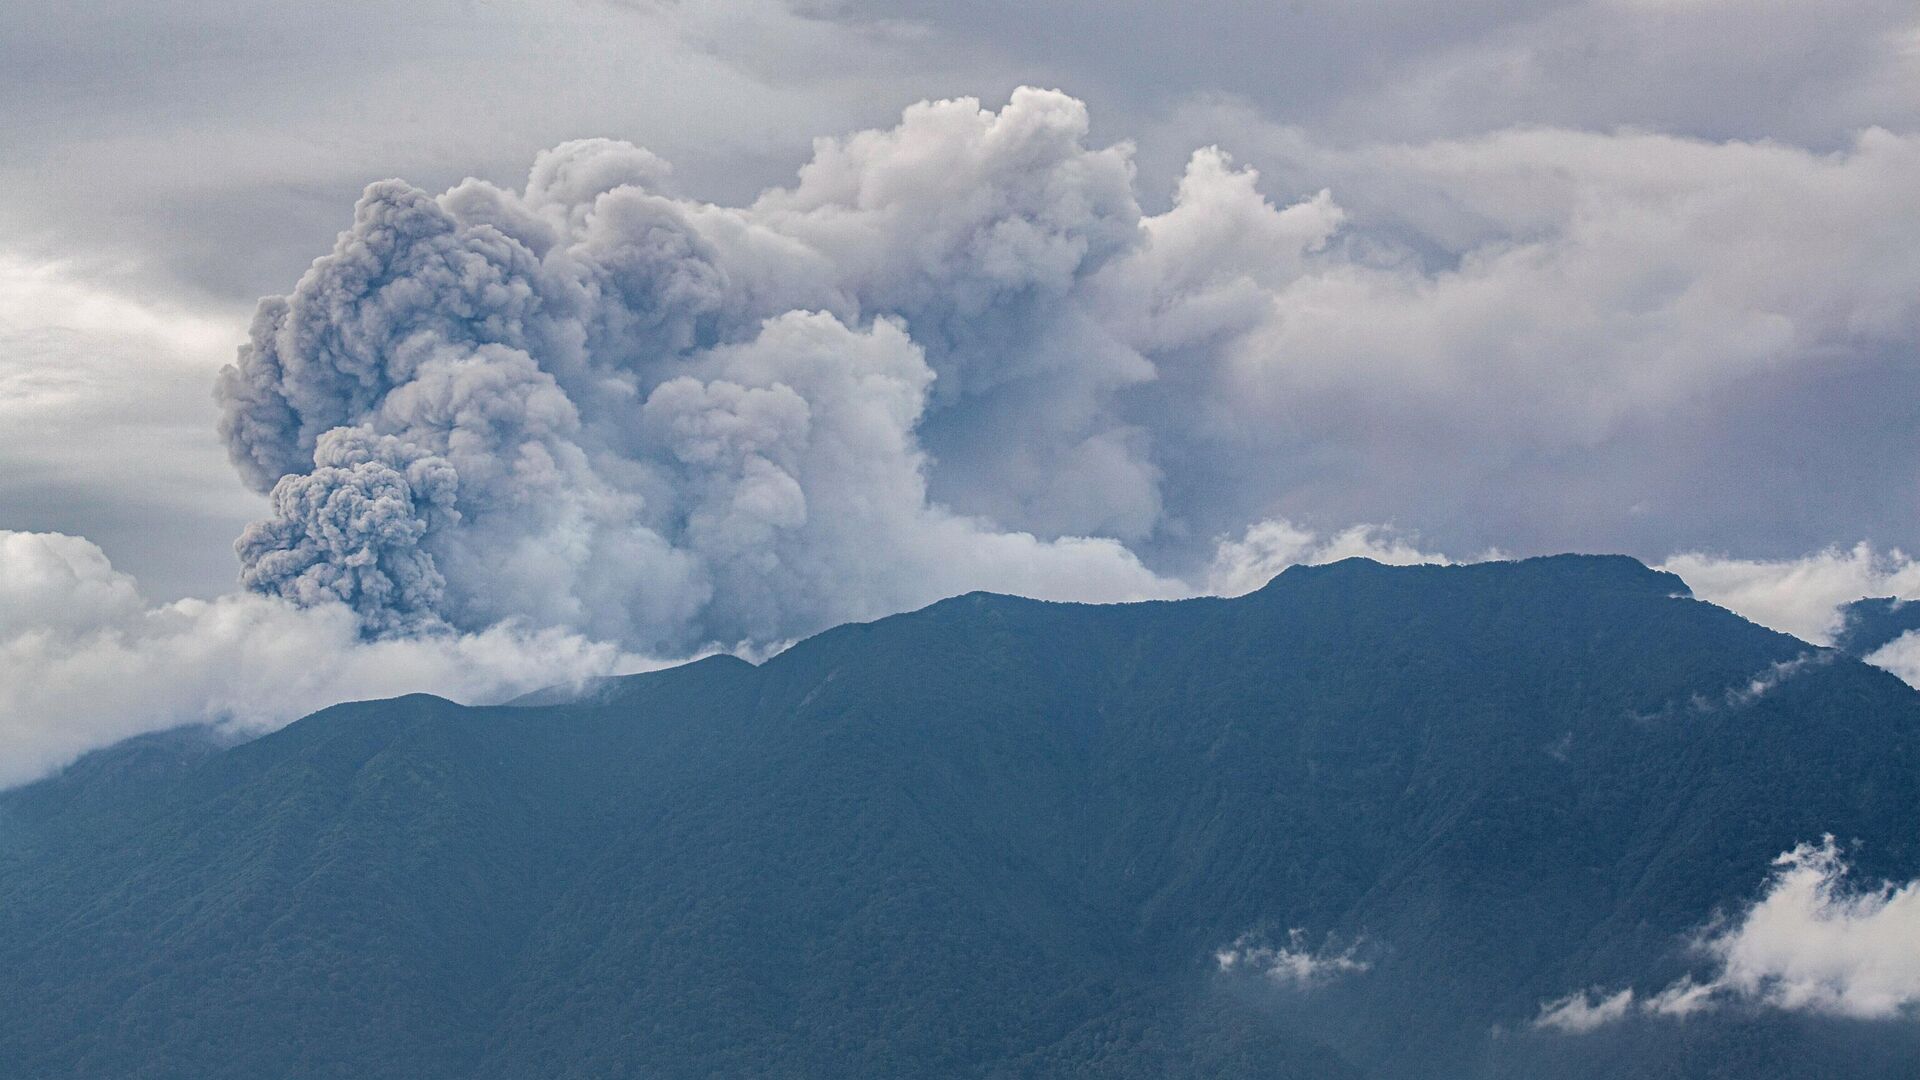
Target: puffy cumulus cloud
1805	596
1814	942
1294	964
85	661
956	353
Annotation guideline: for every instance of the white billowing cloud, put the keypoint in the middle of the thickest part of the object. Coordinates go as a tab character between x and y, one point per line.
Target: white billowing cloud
1295	963
1555	339
1818	943
85	661
956	353
1268	547
1814	942
1577	1014
1801	596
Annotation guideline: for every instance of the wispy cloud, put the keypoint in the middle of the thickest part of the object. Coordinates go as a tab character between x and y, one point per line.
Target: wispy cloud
1588	1010
1295	963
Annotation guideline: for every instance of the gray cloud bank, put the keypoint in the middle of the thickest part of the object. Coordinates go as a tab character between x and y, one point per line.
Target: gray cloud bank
957	353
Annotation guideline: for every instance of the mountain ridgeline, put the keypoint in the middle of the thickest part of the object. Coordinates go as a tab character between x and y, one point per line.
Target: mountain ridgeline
991	838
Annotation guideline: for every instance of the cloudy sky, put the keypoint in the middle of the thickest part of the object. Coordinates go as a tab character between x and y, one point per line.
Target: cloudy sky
709	324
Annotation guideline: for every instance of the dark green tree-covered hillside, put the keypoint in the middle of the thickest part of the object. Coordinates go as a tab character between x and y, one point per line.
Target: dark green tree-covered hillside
992	838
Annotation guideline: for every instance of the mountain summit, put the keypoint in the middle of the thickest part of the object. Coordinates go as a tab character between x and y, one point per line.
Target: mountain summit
1362	822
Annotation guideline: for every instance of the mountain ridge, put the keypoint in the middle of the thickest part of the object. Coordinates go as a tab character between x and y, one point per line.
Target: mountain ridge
994	836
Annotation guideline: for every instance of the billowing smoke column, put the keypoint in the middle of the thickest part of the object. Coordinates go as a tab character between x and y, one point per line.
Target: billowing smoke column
956	354
595	405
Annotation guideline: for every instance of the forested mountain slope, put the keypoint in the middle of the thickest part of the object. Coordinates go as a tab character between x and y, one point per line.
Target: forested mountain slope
992	838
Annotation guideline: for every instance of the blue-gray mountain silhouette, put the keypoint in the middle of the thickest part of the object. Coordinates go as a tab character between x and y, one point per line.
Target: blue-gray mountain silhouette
991	838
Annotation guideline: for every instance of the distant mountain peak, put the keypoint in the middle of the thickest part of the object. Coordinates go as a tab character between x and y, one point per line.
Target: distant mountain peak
1571	570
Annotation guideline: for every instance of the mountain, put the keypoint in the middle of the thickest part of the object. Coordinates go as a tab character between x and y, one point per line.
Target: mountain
1869	624
991	838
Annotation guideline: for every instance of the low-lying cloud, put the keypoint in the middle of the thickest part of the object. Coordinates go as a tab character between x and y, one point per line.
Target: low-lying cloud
1296	963
1587	1010
85	661
1803	596
1816	942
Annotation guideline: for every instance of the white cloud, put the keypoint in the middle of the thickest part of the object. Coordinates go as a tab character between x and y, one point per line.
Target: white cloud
1542	337
956	352
1577	1014
1776	673
1815	942
1293	964
85	661
1268	547
1668	267
1801	596
1901	656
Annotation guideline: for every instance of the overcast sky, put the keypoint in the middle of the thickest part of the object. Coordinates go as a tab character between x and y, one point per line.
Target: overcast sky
167	165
